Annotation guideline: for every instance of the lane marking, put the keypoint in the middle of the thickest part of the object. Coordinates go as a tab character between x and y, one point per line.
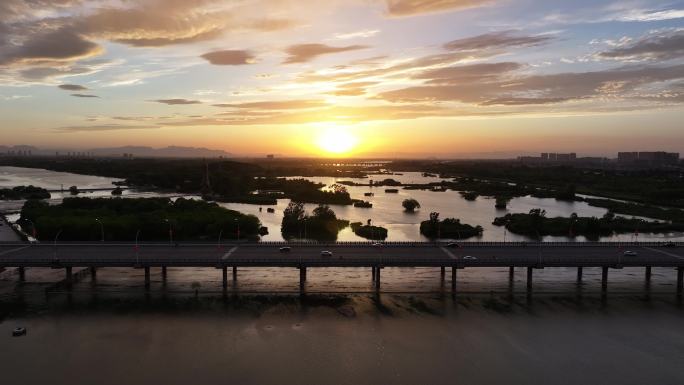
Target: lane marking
664	253
13	250
231	251
449	253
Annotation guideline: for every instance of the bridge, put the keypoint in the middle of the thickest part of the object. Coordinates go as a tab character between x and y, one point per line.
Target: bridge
303	256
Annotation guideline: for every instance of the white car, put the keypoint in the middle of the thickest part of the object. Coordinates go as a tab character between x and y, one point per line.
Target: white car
285	249
377	244
629	253
326	253
470	258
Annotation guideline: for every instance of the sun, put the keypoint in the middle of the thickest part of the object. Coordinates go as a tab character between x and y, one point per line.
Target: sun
337	140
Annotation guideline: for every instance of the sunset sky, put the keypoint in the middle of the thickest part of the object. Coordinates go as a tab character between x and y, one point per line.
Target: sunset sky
443	78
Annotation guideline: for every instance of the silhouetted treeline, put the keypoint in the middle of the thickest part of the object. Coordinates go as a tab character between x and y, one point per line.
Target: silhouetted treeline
24	192
79	219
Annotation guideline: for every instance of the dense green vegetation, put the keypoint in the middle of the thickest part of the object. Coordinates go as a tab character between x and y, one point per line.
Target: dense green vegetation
362	204
435	228
24	192
122	218
376	233
322	224
535	223
626	208
410	204
663	187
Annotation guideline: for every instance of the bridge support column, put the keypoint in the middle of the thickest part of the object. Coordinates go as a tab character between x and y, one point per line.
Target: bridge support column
579	274
302	279
453	278
147	277
22	274
93	273
377	278
234	274
511	274
224	278
680	280
529	278
648	274
442	273
69	277
164	274
604	279
373	273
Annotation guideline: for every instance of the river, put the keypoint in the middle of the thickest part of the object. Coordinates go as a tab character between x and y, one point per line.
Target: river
111	331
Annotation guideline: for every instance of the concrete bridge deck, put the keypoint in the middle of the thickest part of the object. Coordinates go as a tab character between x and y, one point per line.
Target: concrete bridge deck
303	256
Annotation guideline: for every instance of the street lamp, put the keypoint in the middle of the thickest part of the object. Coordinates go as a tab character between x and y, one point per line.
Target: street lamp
137	254
170	230
101	229
57	236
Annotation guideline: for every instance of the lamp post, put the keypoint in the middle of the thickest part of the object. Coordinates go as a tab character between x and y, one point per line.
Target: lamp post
170	230
137	254
101	229
57	236
237	222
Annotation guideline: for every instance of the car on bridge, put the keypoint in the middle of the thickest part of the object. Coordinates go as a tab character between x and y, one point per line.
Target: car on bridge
453	245
326	253
630	253
285	249
470	258
18	332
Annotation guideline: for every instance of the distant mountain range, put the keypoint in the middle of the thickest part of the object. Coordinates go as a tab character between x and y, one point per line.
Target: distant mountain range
136	151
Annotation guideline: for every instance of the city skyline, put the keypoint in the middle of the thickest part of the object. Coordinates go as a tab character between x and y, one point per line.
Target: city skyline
358	78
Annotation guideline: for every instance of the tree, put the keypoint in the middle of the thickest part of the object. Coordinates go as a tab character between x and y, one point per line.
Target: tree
294	212
73	190
324	212
410	204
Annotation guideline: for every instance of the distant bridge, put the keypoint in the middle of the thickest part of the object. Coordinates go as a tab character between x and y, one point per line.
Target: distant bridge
529	255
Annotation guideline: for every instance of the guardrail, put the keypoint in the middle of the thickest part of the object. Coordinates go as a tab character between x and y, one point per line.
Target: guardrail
355	244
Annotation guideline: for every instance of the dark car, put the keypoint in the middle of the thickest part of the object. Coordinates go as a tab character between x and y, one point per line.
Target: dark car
18	332
670	244
453	245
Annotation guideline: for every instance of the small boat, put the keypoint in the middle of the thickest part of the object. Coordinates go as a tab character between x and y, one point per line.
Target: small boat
392	190
270	210
19	331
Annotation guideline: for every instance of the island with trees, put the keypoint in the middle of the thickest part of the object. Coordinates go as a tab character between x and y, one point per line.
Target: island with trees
156	219
536	223
434	228
23	193
322	224
410	205
368	231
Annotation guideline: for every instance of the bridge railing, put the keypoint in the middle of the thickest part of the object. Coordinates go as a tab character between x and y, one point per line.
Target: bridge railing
465	244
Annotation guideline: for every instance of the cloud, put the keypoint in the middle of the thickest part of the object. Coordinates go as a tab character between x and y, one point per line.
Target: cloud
358	34
84	96
72	87
229	57
61	45
540	89
658	46
496	40
352	88
468	73
174	102
302	53
399	8
275	105
104	127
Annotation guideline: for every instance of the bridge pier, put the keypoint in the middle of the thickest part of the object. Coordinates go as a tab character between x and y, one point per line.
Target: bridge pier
680	280
22	274
453	279
604	279
147	277
163	274
579	274
234	274
93	273
442	273
529	278
224	279
373	274
69	276
302	279
648	274
511	274
377	278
